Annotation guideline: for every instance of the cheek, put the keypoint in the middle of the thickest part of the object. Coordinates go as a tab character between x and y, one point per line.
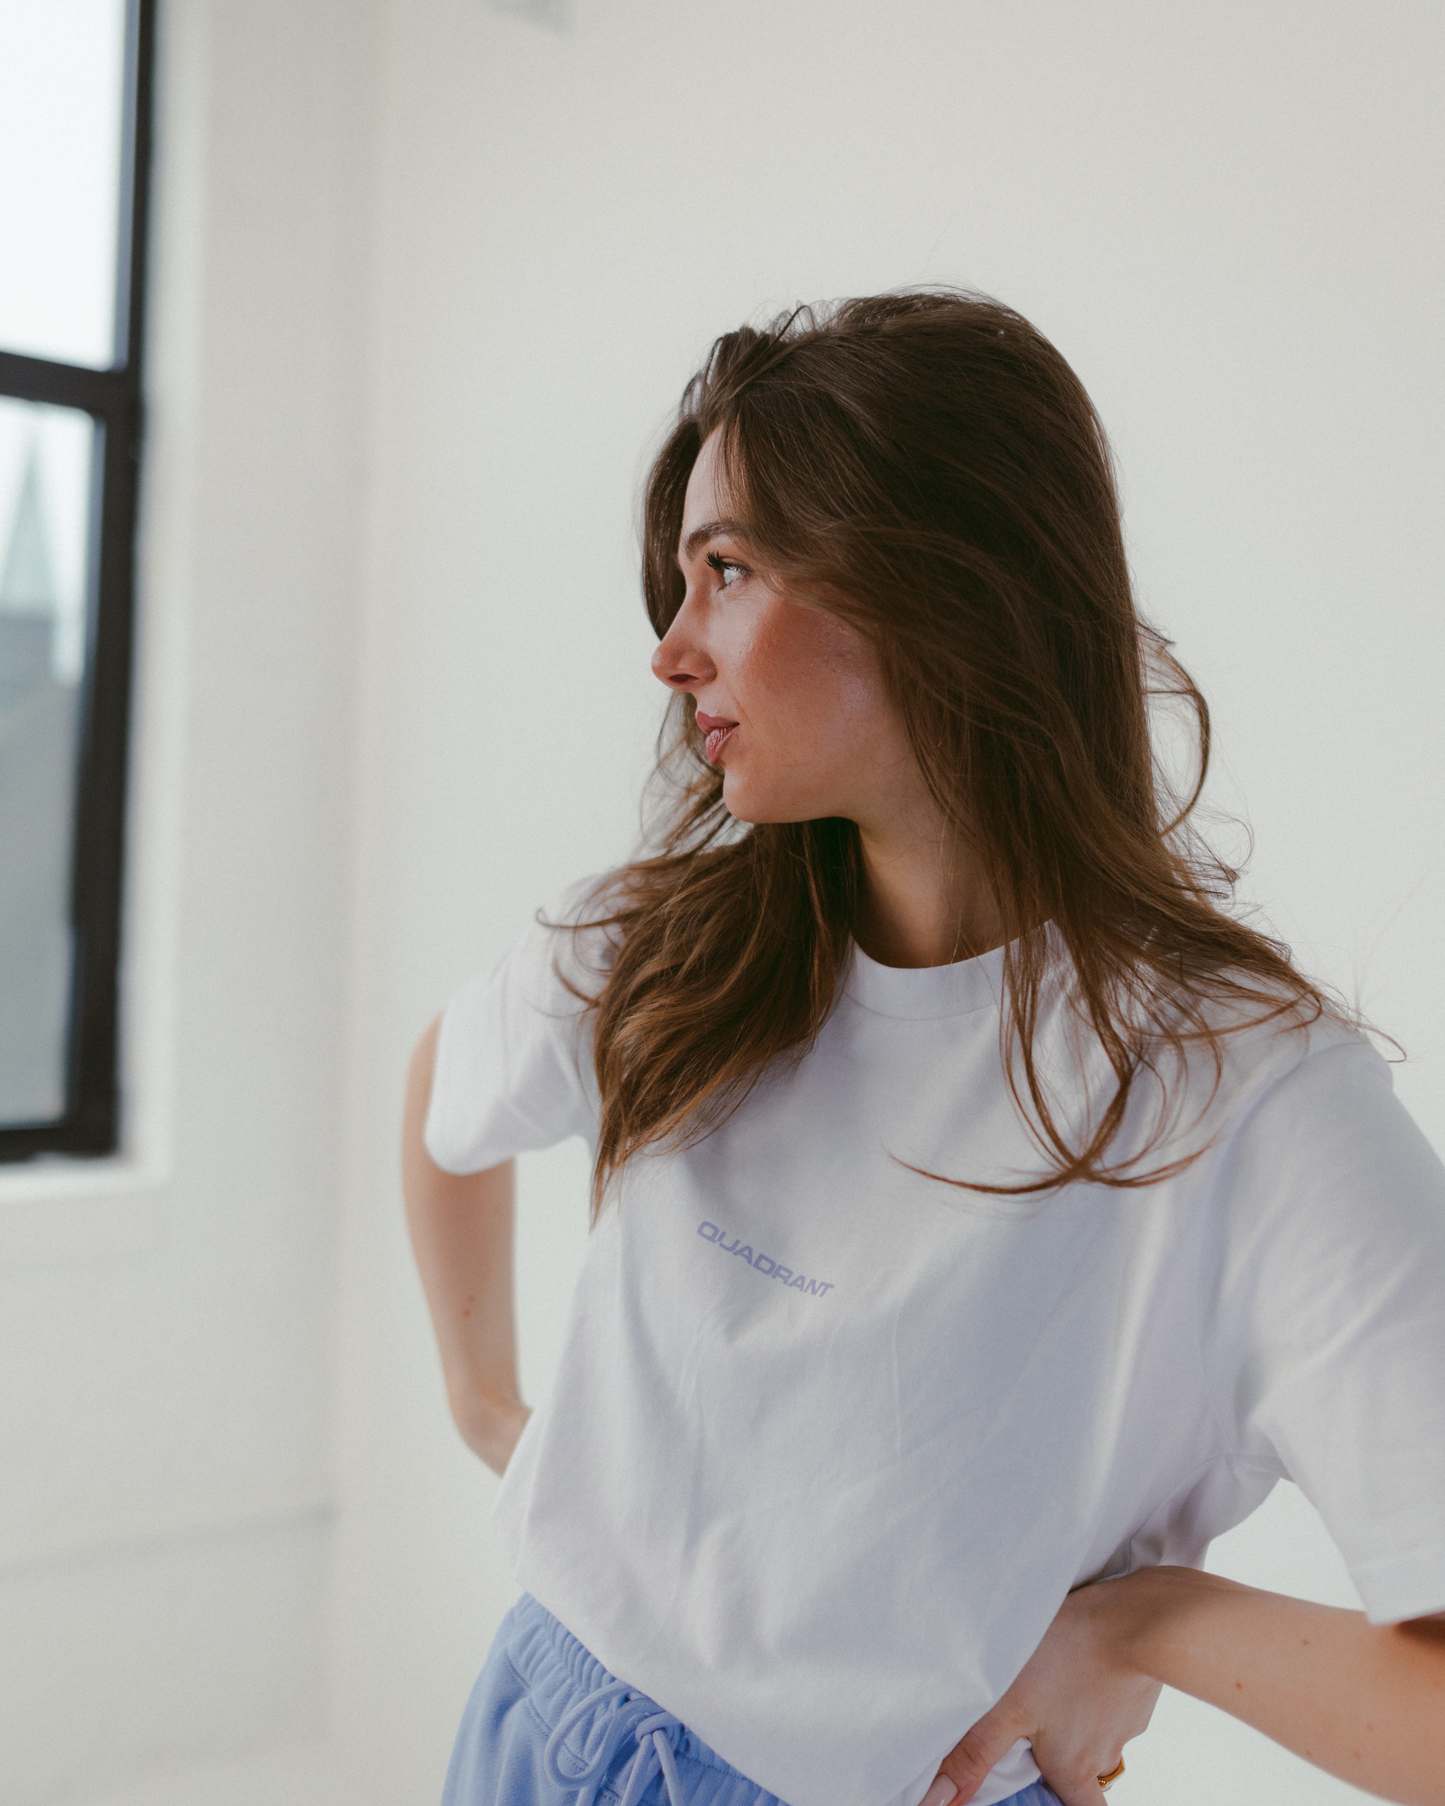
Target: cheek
855	676
815	669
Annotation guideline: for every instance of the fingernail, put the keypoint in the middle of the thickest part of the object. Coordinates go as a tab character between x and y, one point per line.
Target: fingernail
941	1792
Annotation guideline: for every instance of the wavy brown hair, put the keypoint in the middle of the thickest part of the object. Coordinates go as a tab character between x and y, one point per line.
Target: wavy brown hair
928	467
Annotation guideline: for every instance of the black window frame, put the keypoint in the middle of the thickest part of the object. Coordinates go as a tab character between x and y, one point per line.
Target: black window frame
90	1125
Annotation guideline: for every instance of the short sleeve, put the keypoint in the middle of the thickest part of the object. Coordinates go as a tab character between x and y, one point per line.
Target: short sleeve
1333	1310
513	1061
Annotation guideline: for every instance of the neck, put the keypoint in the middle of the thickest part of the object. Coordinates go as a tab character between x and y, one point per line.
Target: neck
926	901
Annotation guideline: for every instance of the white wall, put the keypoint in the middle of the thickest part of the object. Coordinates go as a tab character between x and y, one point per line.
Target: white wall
1221	212
430	280
166	1320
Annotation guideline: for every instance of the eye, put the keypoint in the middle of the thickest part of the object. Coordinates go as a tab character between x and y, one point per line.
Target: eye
728	569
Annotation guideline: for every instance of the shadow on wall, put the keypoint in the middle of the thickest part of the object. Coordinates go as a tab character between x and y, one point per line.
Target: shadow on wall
556	15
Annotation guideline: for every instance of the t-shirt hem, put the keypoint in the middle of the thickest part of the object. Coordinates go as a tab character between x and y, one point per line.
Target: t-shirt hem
1403	1587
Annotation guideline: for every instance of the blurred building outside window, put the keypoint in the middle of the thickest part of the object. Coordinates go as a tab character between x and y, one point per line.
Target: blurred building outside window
74	141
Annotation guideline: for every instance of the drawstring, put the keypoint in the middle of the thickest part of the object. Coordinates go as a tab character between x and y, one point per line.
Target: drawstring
654	1751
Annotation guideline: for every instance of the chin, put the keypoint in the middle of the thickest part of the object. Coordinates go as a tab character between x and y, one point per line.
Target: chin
745	804
751	816
740	805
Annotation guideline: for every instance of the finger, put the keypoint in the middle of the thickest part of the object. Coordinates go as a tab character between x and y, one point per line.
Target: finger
1079	1794
1078	1790
968	1763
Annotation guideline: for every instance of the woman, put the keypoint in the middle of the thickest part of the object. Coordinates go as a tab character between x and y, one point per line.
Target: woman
984	1219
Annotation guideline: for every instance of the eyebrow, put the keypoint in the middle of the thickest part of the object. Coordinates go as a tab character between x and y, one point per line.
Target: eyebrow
712	529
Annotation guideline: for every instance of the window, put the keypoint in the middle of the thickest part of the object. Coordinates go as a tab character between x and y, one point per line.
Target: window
74	147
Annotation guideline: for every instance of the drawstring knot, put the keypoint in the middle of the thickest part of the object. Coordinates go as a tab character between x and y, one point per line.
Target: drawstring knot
630	1717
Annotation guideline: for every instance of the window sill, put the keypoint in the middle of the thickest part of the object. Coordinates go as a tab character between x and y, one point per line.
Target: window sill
59	1209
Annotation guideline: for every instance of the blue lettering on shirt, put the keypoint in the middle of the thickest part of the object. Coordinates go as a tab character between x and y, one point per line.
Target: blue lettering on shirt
762	1263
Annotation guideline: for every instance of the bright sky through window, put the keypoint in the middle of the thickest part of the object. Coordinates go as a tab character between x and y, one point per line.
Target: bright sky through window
60	122
69	408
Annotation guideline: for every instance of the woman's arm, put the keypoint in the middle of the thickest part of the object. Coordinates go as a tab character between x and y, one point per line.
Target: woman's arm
1365	1702
461	1233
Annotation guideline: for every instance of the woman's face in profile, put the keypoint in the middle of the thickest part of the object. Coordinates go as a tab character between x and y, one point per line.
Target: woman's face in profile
792	699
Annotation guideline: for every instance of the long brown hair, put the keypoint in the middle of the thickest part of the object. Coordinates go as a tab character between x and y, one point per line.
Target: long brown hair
928	467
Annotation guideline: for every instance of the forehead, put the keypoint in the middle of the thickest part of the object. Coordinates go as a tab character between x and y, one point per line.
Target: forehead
706	498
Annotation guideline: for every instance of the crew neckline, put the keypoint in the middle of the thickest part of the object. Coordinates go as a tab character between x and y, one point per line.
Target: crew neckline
924	992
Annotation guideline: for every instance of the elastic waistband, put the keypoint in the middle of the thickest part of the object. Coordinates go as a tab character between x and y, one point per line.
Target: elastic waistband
559	1670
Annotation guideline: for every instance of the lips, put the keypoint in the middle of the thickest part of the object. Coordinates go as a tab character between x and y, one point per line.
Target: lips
719	731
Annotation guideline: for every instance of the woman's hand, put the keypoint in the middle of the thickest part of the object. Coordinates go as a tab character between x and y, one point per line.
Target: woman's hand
1362	1701
1078	1701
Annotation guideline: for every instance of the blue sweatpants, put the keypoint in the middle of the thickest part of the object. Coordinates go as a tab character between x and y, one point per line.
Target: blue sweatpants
547	1725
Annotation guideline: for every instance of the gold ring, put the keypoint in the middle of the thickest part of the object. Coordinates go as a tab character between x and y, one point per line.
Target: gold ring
1107	1781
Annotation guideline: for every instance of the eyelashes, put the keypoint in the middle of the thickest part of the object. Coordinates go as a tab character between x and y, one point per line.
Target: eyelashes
722	565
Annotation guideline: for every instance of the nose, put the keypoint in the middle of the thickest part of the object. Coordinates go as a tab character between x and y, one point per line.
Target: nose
681	660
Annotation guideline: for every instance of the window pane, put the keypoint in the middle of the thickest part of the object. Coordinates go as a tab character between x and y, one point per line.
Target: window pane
45	478
61	75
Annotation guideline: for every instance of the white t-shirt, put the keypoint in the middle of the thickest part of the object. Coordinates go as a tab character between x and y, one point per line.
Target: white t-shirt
830	1441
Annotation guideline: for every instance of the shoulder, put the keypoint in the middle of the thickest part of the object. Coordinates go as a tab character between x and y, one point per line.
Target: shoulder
1308	1074
1236	1056
1322	1163
1290	1123
579	928
511	1069
561	959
